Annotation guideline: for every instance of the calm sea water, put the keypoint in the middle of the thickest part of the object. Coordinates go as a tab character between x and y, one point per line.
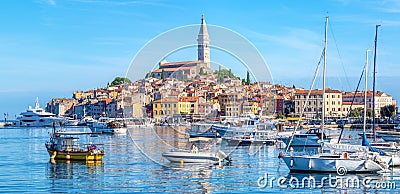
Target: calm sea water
133	163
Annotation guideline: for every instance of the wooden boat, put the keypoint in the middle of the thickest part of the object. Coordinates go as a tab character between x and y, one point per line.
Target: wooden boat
65	146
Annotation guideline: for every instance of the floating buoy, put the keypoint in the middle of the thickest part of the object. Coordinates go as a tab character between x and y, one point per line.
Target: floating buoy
68	157
280	155
291	162
345	155
182	162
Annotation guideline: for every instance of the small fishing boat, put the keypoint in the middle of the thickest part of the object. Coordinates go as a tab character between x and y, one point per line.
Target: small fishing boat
64	145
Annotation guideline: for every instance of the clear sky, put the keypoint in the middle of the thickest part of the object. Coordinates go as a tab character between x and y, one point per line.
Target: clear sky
48	48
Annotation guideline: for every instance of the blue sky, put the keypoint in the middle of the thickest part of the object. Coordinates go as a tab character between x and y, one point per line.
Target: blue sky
48	48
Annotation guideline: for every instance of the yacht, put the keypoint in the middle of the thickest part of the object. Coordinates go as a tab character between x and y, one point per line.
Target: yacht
262	134
37	117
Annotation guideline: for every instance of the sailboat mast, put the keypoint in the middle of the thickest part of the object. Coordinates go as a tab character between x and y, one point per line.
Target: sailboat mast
373	83
365	90
323	78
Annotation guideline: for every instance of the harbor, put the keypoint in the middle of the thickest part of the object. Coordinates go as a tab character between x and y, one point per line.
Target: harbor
127	96
133	163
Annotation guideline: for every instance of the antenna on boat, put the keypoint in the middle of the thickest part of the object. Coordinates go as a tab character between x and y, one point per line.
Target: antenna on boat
37	103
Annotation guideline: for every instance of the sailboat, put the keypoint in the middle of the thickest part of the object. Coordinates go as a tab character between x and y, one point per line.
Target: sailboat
341	158
389	151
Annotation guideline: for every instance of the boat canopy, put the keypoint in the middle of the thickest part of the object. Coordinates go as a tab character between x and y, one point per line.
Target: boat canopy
345	147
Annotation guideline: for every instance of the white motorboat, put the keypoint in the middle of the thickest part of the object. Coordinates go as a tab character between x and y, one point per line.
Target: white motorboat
71	122
310	138
106	125
183	156
86	121
37	117
262	135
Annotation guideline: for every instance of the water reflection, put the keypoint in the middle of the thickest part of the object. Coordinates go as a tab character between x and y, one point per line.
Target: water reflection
66	169
198	174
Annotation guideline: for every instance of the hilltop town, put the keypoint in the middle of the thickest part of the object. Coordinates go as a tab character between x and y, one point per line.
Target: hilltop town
192	90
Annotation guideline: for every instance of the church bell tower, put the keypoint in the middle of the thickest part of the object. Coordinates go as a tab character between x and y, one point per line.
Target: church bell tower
203	43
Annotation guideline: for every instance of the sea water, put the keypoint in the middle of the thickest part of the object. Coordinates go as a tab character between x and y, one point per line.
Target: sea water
133	163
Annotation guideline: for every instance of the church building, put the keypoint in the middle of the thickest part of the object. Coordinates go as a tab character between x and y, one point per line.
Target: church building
187	70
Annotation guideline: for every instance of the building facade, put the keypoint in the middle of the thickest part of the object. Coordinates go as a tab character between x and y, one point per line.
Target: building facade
313	106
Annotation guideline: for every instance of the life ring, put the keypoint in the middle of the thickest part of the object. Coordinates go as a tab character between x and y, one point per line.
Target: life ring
345	155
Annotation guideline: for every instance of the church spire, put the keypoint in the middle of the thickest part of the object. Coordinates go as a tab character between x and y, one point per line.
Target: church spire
203	42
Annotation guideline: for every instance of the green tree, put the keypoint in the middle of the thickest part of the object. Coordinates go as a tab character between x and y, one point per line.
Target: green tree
163	75
280	116
119	81
243	81
248	78
388	111
148	75
201	71
224	73
369	112
356	112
